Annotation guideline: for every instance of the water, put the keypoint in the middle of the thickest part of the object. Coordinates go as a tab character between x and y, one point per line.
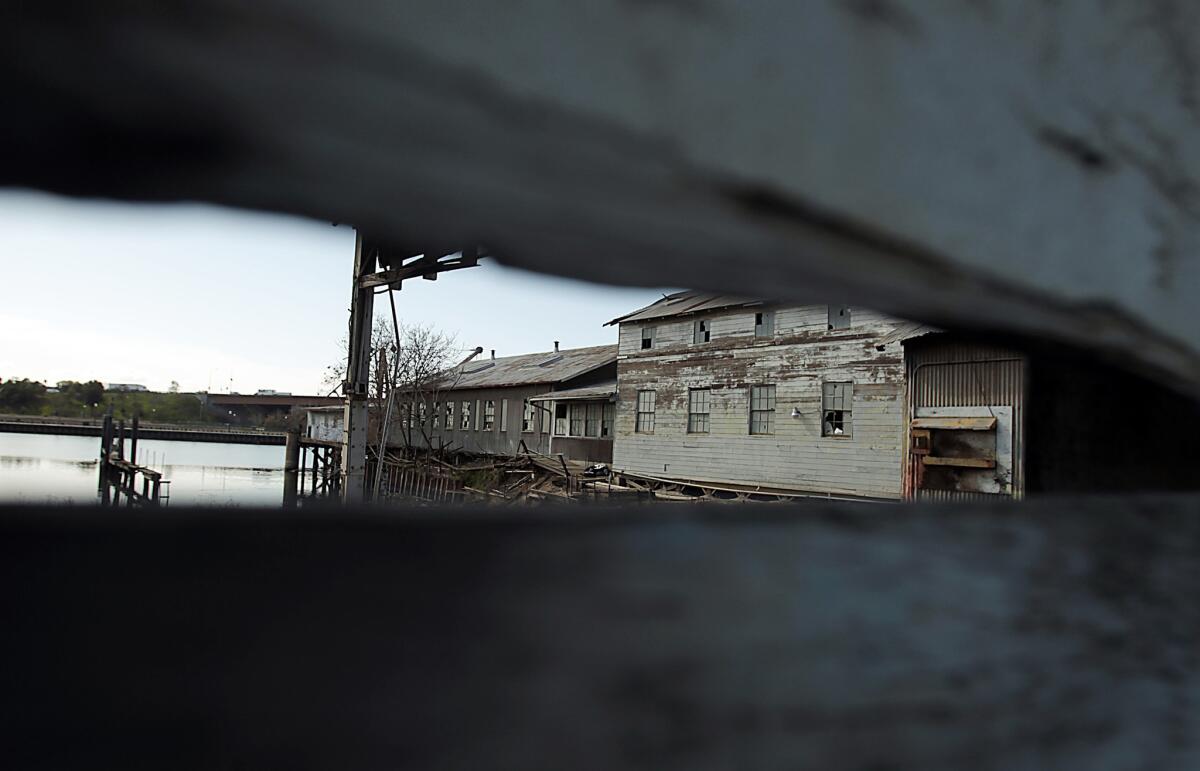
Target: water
42	468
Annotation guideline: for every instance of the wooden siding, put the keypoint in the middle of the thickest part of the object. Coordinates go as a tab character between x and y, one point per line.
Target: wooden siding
802	354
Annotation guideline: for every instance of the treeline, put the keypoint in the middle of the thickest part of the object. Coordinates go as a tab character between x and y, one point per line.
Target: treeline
89	400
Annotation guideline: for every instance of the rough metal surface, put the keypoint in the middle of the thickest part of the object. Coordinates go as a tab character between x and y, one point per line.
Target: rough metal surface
822	636
1028	165
529	368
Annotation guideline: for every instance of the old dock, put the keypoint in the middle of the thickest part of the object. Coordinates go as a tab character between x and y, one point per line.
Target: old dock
88	427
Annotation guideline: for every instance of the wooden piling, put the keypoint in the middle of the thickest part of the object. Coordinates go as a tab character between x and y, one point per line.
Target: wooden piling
291	468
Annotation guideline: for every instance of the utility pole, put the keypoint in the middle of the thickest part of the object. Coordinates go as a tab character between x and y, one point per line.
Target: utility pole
355	386
378	265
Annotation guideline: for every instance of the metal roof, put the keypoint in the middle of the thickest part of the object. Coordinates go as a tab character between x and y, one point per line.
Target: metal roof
530	368
906	331
604	390
684	304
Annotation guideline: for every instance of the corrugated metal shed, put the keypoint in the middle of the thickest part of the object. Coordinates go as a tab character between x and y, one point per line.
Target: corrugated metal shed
943	371
530	368
605	390
685	304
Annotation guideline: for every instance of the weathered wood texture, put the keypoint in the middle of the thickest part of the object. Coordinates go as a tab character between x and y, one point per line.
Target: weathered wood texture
797	360
813	636
1026	165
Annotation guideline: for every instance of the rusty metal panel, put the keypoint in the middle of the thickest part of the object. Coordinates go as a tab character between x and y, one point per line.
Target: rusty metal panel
951	373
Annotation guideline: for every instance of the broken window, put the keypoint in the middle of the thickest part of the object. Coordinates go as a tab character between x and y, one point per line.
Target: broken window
700	332
839	316
837	400
437	415
489	415
762	409
449	416
465	416
645	412
606	422
764	324
647	338
422	414
527	418
560	419
698	410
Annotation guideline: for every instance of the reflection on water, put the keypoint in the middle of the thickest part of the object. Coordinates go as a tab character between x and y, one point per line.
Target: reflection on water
36	468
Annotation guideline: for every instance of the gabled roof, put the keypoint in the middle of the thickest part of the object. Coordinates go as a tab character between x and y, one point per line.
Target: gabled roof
530	368
685	304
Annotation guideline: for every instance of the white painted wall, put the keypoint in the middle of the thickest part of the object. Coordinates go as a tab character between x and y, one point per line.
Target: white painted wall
801	356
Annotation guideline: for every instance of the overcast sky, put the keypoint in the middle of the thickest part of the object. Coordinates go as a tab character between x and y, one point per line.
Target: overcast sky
221	299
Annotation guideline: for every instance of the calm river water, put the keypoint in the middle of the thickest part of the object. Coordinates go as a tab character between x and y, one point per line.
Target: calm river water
41	468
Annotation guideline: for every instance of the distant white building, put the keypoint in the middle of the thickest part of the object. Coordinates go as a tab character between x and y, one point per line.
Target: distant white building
324	423
271	392
125	387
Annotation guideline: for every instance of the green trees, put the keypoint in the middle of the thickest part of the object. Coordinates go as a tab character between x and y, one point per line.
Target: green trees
21	396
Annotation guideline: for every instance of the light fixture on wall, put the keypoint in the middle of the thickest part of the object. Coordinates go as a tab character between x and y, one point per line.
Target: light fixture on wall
795	412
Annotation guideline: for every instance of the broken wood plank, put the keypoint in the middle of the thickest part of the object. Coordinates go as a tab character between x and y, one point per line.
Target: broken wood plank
956	424
933	460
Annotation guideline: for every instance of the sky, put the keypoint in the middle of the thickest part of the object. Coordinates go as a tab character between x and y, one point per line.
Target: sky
227	300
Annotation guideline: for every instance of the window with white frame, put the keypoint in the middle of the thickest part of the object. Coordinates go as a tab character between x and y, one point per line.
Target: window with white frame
698	399
839	316
449	423
762	409
437	415
464	415
489	415
606	422
837	404
422	414
764	324
527	418
578	411
645	412
591	426
647	338
700	332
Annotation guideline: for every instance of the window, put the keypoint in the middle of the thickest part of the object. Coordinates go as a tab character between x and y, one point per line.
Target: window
489	415
527	418
647	338
577	414
839	316
837	401
449	416
762	409
645	412
764	324
465	416
698	410
592	425
560	419
700	332
606	422
422	413
437	414
504	416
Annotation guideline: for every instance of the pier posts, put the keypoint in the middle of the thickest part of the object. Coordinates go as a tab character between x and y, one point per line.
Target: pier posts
291	468
354	442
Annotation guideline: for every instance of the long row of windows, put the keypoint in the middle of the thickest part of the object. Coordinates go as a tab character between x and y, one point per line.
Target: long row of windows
764	326
570	419
837	403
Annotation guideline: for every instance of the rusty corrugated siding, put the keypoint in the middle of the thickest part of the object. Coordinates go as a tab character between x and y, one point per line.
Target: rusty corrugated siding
957	374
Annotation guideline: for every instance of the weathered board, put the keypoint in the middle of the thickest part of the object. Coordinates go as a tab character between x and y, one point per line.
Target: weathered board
1026	165
807	636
